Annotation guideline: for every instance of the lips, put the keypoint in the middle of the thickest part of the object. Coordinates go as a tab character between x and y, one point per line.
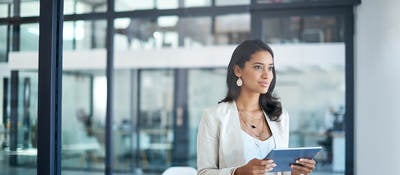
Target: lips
264	84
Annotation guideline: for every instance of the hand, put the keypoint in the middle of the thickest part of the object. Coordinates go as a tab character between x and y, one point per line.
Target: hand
256	167
303	166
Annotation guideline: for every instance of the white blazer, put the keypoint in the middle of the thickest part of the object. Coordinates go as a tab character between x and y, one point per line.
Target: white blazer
220	142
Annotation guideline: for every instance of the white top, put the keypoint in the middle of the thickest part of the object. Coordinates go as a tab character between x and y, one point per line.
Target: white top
255	148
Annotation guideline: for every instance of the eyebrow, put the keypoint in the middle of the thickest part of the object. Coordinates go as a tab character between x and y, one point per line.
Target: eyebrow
262	63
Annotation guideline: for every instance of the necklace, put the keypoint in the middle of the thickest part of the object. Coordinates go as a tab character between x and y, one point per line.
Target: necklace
260	134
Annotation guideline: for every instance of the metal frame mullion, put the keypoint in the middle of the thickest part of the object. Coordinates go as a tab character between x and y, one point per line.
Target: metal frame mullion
50	84
109	72
349	98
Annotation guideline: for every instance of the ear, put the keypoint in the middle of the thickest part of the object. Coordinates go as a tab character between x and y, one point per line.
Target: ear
237	71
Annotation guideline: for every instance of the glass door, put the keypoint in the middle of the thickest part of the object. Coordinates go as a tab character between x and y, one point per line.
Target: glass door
310	54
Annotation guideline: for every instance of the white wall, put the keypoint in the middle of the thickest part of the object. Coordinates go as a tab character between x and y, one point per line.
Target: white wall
377	105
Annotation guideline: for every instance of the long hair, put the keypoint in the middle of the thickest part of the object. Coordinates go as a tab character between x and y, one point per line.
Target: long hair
268	102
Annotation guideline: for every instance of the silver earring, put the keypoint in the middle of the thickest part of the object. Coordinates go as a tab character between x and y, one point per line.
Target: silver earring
239	82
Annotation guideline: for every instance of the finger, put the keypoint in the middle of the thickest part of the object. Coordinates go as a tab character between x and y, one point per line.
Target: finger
309	164
309	161
265	162
301	169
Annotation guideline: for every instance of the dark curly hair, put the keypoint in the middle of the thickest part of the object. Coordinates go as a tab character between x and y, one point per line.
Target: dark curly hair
268	102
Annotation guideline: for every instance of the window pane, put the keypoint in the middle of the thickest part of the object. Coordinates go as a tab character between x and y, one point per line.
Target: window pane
18	136
304	71
200	81
289	1
4	9
30	8
84	6
155	118
172	31
29	39
297	29
232	2
197	3
83	119
3	43
232	29
84	35
167	4
126	5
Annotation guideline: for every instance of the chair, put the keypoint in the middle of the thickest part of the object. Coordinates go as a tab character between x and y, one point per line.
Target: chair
180	170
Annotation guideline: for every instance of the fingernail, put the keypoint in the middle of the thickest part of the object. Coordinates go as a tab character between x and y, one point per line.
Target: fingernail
274	165
297	161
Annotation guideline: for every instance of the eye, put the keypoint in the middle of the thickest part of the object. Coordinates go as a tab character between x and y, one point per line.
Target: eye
270	68
258	67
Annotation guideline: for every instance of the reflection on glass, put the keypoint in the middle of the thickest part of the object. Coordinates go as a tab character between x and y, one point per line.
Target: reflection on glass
29	38
30	8
84	6
82	126
200	81
155	119
3	43
84	35
297	29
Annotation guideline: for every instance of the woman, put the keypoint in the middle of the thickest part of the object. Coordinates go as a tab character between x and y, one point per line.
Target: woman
236	135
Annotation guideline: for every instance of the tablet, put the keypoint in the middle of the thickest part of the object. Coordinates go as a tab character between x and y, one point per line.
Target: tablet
284	157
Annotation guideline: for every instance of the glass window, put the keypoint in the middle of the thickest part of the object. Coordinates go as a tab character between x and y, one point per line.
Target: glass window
288	1
232	29
29	37
232	2
200	81
167	4
84	35
4	6
84	6
297	29
83	119
30	8
316	121
197	3
155	119
172	31
126	5
3	43
18	130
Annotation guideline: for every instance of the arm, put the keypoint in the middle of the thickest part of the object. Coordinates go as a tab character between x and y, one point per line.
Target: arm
208	147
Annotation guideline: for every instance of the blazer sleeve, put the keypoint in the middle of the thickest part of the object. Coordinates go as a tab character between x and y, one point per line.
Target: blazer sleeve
208	147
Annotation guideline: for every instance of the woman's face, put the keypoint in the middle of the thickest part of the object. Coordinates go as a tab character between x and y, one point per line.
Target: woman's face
257	73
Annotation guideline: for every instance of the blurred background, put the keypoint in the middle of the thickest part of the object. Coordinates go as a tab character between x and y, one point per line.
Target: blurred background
170	59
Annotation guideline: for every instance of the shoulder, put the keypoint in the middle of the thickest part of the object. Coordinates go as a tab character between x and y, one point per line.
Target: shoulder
219	111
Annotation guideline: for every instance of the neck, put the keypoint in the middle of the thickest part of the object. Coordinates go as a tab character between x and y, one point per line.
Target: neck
247	102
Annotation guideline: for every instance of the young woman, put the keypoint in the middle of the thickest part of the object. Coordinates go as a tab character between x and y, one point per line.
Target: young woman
236	135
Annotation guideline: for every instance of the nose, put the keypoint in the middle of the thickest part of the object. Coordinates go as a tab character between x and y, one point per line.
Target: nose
265	73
